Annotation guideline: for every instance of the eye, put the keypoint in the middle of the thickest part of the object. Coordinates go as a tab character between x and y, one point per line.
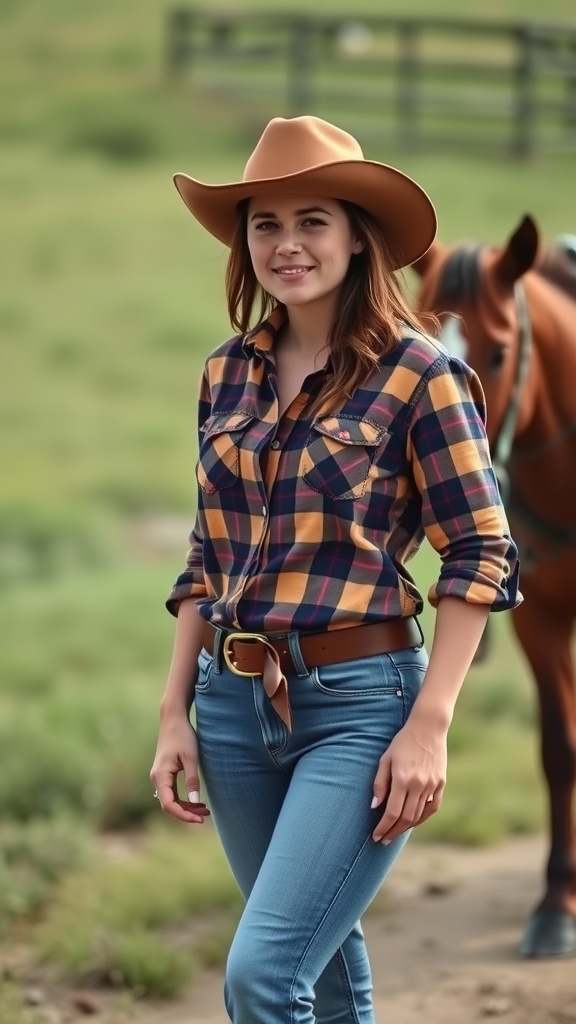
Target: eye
313	222
497	357
265	225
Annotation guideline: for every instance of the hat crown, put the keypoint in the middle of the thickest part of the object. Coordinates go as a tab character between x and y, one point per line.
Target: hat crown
292	145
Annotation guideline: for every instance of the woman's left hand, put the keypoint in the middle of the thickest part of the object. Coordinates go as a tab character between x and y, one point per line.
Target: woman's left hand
410	779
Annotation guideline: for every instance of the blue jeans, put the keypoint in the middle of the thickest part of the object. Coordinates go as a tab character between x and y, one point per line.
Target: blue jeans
293	814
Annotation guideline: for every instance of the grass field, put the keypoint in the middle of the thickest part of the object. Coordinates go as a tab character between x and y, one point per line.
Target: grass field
111	298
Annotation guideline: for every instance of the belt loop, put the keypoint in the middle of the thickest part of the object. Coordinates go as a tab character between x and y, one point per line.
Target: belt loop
296	655
219	635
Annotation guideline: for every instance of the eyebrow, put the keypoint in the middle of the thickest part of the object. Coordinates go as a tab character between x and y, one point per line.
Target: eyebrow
299	213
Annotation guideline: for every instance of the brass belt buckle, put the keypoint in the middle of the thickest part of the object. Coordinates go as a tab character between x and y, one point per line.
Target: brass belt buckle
229	639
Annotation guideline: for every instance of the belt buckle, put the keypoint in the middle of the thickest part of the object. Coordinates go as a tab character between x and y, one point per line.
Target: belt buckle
229	639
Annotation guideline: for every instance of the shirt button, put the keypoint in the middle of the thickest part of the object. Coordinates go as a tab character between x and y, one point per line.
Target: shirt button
275	445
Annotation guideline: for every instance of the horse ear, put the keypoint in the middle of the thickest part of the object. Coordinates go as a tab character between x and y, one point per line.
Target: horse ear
520	251
432	254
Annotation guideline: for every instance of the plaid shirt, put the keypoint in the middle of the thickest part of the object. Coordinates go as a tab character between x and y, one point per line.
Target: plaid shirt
307	524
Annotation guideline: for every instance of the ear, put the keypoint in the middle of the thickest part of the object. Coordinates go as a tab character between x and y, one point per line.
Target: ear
359	246
422	265
519	253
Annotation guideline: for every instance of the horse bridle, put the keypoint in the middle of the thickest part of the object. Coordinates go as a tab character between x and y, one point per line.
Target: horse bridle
502	448
502	455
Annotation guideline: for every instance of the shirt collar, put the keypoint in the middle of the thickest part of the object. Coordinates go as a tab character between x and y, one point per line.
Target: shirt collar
261	339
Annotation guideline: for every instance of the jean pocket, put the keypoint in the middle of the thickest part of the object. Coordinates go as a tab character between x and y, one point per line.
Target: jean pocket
205	672
360	677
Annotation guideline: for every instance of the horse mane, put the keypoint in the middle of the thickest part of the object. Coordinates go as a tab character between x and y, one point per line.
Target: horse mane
460	277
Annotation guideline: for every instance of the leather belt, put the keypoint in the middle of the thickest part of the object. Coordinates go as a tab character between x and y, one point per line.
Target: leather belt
256	654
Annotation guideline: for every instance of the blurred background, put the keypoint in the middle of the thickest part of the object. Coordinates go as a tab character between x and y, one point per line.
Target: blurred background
111	298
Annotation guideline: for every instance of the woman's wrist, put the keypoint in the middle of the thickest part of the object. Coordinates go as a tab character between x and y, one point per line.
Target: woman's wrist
173	708
432	713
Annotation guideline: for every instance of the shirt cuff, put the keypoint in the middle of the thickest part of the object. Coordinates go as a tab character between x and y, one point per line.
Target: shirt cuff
478	589
187	585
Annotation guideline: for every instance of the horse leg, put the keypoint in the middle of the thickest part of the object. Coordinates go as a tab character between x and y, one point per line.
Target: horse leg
551	930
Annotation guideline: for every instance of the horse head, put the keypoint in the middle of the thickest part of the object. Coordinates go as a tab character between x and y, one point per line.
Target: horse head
476	293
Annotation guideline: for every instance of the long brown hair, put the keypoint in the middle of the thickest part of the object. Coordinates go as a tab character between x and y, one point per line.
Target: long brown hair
370	309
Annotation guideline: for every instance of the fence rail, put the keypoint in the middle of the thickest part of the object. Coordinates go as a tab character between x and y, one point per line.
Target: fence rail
425	81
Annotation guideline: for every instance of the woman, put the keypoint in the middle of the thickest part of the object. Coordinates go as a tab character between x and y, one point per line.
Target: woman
333	435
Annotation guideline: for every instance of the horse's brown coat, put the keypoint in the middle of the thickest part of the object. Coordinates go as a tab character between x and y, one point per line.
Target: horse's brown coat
542	513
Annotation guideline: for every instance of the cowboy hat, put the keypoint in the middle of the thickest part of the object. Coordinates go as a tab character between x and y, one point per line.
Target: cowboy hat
309	156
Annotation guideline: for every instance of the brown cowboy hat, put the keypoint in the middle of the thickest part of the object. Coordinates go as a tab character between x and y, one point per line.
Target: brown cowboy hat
308	156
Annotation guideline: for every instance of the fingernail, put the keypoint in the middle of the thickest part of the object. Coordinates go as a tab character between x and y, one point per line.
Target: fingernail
194	797
386	842
374	803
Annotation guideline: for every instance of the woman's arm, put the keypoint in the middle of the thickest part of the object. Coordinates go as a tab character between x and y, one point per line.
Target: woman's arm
457	632
412	773
179	691
177	749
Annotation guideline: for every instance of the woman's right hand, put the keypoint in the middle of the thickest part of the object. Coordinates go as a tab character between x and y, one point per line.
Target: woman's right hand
177	751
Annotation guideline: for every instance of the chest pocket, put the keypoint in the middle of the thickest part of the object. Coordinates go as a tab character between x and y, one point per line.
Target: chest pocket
337	459
219	457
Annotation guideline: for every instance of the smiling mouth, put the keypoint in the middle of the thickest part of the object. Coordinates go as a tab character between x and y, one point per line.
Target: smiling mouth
291	272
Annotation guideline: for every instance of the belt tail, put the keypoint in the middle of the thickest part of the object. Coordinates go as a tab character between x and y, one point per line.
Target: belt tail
276	686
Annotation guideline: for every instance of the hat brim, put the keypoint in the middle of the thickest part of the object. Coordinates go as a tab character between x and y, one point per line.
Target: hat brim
398	204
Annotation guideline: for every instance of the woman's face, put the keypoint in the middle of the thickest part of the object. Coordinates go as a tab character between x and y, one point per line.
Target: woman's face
300	247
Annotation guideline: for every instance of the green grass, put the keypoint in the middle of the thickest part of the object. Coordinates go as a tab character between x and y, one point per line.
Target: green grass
130	921
33	858
82	681
111	298
14	1010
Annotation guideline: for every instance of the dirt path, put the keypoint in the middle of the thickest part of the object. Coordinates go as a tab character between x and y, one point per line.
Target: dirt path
442	942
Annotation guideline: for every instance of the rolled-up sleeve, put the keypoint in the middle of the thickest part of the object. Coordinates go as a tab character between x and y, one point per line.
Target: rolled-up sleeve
462	513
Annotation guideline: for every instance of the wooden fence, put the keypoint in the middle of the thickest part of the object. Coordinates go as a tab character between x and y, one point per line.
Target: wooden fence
419	82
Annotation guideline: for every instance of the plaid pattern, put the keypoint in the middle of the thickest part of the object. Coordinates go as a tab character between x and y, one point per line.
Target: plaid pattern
308	525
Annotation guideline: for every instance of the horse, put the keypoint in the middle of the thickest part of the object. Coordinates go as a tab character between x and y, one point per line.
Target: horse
510	312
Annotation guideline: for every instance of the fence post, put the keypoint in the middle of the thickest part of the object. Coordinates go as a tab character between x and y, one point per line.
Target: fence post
222	33
524	137
407	90
570	97
300	67
179	44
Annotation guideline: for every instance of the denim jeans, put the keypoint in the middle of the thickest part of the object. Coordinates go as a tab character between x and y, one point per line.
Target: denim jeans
293	815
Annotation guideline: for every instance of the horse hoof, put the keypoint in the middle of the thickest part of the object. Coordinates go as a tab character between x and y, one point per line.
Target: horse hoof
549	933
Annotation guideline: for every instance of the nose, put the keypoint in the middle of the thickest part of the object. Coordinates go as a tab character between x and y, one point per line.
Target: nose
288	245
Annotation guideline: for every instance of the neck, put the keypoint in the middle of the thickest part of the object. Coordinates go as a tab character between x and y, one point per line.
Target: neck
307	328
